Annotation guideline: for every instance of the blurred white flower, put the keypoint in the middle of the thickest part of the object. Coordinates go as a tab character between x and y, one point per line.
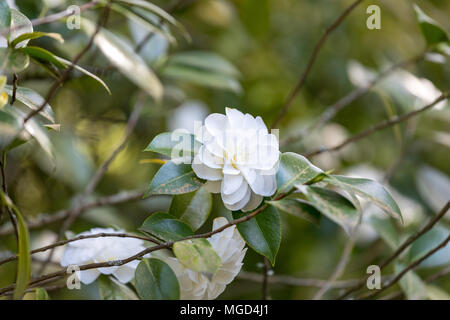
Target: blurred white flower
186	115
103	249
229	245
238	158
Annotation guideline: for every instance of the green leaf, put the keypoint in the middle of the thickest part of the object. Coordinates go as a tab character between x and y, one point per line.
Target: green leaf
174	144
431	30
429	241
111	289
197	255
9	128
203	68
42	55
122	56
174	179
82	70
32	100
386	229
24	257
155	280
41	294
36	35
166	227
262	233
19	19
192	208
13	61
436	293
333	205
369	189
294	169
150	7
411	284
142	21
5	15
298	208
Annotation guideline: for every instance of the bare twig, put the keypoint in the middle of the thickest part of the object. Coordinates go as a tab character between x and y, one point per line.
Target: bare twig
54	88
347	100
410	267
378	127
118	198
13	96
405	245
90	236
311	61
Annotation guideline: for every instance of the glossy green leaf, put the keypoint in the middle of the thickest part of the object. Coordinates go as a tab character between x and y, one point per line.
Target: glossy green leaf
262	233
429	241
5	15
369	189
412	286
32	100
436	293
142	21
174	179
431	30
155	280
174	144
122	56
36	35
9	128
84	71
166	227
193	208
42	55
294	169
154	9
198	255
13	61
298	208
333	205
19	19
24	256
111	289
386	229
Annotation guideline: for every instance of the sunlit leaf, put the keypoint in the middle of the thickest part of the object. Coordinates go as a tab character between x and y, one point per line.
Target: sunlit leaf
411	284
172	143
20	24
5	15
42	55
13	61
429	241
431	30
197	255
122	56
298	208
36	35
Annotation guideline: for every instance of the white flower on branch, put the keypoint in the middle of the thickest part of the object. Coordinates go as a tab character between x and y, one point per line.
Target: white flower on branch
238	158
229	245
103	249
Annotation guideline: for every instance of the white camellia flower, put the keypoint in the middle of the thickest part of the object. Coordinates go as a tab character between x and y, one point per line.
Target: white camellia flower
229	245
238	158
102	249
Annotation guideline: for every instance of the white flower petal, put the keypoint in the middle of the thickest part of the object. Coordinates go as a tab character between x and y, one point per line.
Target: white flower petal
231	183
89	276
255	201
261	126
239	205
209	159
205	172
216	123
236	196
125	273
235	118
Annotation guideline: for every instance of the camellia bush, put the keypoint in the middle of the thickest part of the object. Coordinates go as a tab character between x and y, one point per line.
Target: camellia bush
84	89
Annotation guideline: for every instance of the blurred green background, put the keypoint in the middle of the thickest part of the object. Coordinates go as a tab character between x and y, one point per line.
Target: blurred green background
269	42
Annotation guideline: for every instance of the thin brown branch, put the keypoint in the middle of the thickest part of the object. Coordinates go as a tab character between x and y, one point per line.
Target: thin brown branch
405	245
54	88
311	62
378	127
13	96
410	267
347	100
91	236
